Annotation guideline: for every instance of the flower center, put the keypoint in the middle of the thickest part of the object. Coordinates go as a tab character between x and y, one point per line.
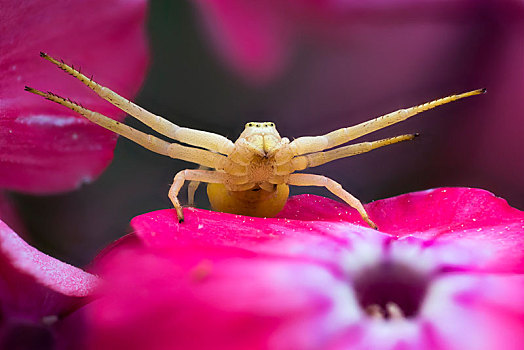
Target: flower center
390	290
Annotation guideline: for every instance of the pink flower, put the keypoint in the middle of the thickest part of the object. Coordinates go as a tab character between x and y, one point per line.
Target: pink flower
37	292
44	147
444	272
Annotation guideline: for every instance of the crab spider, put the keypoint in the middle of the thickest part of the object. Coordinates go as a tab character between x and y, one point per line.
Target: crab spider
250	176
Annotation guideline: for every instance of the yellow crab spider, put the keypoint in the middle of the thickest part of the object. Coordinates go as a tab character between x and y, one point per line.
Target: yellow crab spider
250	176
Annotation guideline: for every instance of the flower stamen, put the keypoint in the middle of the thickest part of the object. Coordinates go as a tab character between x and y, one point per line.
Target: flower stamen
390	291
390	312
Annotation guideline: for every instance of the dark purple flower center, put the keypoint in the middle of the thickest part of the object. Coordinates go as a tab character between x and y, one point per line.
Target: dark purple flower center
390	290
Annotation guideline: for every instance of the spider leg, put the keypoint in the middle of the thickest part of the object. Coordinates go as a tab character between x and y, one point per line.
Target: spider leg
195	175
173	150
310	144
334	187
204	139
191	189
319	158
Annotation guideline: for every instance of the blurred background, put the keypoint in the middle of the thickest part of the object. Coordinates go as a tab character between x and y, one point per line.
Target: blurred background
312	67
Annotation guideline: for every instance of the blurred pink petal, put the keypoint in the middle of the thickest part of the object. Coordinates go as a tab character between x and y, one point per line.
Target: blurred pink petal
36	290
248	36
45	147
466	304
250	309
309	279
257	39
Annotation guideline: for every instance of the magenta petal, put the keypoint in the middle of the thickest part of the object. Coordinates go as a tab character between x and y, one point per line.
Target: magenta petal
308	284
256	39
324	241
161	228
238	300
309	207
467	216
248	36
44	147
34	284
470	217
481	312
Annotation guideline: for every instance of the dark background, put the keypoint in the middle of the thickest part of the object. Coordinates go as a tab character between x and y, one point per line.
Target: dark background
389	60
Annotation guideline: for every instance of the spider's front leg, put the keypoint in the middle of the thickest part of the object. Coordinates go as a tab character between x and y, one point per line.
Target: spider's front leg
334	187
208	140
208	176
311	144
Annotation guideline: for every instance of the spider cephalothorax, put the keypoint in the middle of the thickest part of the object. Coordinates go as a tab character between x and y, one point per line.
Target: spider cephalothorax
250	176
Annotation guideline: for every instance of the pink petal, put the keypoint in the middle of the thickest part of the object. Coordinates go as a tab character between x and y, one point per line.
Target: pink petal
481	312
321	241
285	283
34	284
241	299
472	217
236	300
45	147
324	241
256	39
248	36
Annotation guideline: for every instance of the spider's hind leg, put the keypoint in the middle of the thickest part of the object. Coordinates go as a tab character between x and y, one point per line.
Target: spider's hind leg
335	188
191	189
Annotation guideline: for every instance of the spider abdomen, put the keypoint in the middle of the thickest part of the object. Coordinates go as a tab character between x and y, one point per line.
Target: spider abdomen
254	202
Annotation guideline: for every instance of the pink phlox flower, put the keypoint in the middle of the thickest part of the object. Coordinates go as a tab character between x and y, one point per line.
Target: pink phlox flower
443	272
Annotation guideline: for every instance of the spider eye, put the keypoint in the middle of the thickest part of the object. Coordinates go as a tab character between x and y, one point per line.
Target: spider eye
271	124
249	125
